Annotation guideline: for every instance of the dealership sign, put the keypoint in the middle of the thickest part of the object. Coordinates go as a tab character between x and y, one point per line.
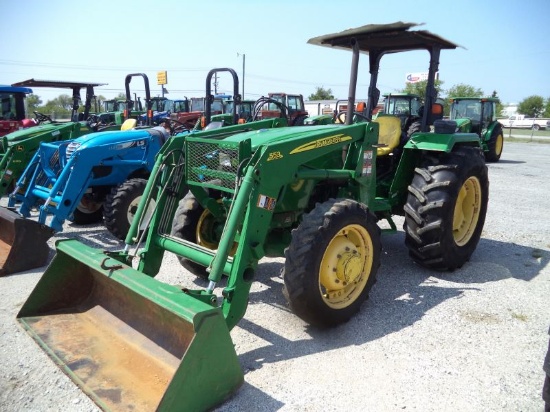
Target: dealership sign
418	77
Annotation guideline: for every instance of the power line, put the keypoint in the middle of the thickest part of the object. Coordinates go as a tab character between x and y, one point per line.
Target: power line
87	67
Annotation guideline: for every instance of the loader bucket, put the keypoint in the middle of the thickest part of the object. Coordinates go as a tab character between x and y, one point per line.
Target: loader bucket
129	341
23	243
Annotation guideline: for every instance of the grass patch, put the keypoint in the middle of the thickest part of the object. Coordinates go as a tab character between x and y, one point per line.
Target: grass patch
526	135
526	139
526	132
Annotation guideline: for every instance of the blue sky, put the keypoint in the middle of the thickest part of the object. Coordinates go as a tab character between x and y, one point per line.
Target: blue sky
506	44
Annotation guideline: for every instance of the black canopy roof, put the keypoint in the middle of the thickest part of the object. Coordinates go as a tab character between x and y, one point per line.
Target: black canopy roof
391	38
55	84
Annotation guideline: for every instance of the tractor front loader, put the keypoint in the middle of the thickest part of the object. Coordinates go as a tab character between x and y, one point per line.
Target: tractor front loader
222	201
18	148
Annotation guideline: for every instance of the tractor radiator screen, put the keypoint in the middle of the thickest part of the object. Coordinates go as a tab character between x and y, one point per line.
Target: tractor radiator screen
212	165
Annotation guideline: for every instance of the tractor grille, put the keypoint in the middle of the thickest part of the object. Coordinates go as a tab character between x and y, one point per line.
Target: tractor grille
54	166
212	164
71	148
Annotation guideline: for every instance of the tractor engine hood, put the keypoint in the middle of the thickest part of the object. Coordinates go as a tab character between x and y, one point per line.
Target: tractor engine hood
266	136
119	138
35	131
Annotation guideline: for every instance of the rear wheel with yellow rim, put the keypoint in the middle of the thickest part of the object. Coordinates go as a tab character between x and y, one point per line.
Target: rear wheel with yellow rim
446	208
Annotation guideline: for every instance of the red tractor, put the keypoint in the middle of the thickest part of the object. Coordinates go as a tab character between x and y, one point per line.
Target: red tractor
12	114
293	104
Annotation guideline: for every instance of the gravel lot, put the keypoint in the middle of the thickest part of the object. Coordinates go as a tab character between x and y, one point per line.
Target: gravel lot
470	340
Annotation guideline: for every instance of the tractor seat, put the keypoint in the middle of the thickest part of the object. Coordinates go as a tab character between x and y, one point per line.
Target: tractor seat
129	124
389	134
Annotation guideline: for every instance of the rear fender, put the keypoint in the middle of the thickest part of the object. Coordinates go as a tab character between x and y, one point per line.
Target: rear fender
441	142
415	148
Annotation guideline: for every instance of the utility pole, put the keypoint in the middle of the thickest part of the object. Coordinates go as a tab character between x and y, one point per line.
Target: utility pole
244	58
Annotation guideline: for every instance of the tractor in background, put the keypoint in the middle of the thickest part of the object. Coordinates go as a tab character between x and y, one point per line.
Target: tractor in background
73	179
479	115
408	107
222	201
113	112
281	105
13	110
18	148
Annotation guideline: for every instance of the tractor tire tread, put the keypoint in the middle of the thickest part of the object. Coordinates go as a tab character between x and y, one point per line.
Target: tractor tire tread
304	253
429	208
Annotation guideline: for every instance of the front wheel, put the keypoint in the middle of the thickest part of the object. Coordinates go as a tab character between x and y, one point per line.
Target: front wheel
88	211
121	206
536	127
331	262
196	224
446	208
495	145
414	128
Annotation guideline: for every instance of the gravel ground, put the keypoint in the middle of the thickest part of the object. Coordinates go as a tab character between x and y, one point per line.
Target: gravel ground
470	340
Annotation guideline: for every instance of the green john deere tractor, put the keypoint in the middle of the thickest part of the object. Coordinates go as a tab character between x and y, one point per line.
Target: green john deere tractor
223	199
408	107
478	115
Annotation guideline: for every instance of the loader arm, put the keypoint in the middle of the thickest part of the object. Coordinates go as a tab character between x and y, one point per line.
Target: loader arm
252	184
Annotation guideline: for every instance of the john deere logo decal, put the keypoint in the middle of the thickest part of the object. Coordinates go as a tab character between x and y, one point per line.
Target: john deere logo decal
325	141
19	148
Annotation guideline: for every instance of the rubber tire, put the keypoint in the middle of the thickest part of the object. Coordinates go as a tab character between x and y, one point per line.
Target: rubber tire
87	218
494	153
413	128
429	210
117	204
302	270
184	226
299	121
535	127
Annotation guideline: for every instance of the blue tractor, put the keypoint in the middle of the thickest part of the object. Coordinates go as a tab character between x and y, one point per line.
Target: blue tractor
91	178
96	177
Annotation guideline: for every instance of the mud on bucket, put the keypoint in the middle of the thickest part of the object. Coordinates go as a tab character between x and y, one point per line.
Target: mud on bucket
130	342
23	243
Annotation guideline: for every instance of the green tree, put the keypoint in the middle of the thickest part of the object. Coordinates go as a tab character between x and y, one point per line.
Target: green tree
500	106
532	106
33	102
97	105
58	108
547	108
419	88
321	94
464	90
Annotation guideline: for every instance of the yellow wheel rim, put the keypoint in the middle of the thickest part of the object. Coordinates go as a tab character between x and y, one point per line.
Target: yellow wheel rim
499	144
346	266
467	210
205	232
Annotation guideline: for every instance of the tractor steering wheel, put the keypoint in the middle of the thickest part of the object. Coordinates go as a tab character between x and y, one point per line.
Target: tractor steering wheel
41	118
93	122
362	116
175	126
